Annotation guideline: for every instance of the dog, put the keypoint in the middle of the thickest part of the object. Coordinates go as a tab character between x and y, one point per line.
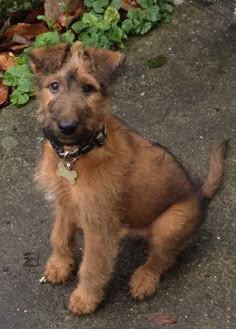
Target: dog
106	180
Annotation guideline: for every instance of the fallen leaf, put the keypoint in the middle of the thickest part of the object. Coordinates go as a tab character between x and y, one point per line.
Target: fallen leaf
21	40
31	259
63	21
5	26
129	4
6	45
6	61
4	91
160	319
27	31
157	61
17	48
31	18
19	16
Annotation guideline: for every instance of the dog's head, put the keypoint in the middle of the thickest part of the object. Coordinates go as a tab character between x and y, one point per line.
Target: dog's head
72	84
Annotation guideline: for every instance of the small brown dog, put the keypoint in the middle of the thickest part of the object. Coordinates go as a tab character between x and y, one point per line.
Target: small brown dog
106	180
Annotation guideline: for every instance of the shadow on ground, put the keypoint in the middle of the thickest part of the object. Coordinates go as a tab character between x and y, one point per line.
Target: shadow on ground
187	105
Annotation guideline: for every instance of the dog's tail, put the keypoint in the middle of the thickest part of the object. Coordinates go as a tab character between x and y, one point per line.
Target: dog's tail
213	180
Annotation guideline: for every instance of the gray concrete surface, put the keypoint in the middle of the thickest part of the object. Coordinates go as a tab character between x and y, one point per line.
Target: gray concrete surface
189	105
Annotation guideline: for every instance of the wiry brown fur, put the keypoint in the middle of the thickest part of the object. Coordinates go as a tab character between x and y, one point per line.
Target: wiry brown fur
127	187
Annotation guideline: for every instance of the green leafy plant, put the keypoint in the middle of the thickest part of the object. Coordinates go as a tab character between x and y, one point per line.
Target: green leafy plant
101	31
141	20
19	77
100	27
50	23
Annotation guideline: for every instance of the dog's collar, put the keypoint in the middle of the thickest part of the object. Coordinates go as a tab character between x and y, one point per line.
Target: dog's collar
99	140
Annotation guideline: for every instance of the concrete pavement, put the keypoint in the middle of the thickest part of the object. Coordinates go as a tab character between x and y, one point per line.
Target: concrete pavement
189	104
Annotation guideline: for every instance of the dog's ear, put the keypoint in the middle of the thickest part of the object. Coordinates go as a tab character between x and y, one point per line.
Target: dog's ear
48	59
104	63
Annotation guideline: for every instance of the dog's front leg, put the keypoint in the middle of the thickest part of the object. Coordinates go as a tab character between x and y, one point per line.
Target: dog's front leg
61	262
100	252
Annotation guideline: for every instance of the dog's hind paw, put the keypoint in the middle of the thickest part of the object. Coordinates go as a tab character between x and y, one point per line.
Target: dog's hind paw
143	283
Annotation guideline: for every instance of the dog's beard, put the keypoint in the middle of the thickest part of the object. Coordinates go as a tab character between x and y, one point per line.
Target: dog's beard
77	139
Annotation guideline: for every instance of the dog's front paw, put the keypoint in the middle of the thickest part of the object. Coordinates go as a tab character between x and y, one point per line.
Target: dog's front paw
82	303
58	269
143	283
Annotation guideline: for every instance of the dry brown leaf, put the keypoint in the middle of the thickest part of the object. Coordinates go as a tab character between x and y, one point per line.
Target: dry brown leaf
18	48
27	31
63	21
129	4
32	17
20	40
19	16
161	319
6	61
4	91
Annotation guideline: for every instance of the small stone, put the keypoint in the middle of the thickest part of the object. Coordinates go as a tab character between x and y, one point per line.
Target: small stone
9	143
43	280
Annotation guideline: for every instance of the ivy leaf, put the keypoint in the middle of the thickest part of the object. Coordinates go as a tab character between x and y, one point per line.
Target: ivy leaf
79	26
22	59
103	25
116	4
146	27
164	7
116	34
146	3
13	74
112	15
99	5
127	25
26	85
68	37
19	98
88	3
89	19
153	14
136	14
104	42
46	39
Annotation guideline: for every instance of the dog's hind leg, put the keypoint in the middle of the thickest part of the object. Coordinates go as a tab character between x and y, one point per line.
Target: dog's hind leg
169	235
61	262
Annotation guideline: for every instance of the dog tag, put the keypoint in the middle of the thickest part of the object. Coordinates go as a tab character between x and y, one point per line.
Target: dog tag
70	175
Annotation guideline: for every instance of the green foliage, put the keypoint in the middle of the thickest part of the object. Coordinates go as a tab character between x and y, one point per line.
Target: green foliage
20	78
142	20
100	31
101	27
50	23
96	6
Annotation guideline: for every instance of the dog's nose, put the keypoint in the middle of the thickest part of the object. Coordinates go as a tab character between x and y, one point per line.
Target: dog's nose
67	127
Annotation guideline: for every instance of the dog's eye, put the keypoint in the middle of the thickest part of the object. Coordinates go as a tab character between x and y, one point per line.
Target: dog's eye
88	89
54	87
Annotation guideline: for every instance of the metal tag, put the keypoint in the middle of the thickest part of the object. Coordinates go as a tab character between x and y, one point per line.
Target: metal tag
69	175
